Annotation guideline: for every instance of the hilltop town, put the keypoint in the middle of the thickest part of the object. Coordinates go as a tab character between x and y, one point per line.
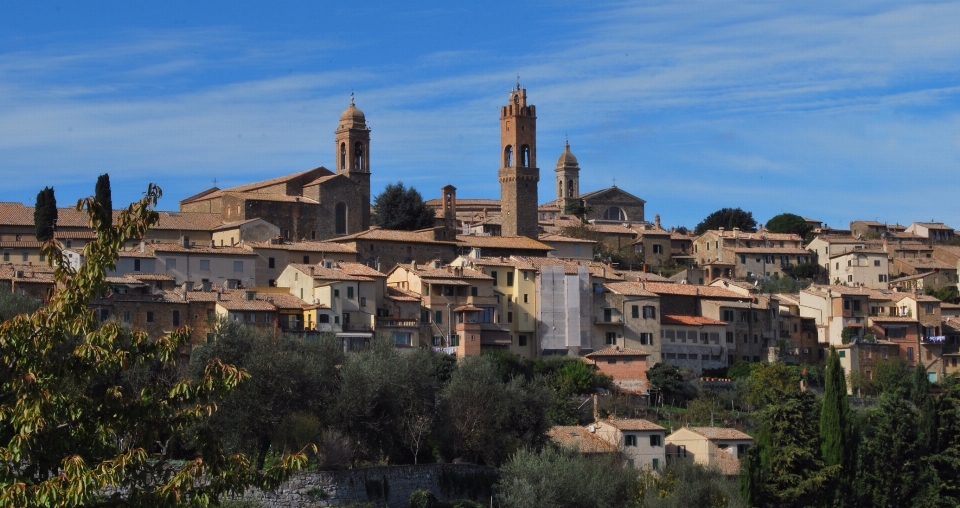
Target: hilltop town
584	275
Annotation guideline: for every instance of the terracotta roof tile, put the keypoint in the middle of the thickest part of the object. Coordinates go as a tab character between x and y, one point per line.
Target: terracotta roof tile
502	242
323	273
391	235
304	247
664	288
401	295
617	351
632	424
561	238
580	439
682	319
629	289
724	433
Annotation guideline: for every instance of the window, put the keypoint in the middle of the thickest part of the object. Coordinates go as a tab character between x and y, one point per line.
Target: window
522	340
876	262
909	354
525	298
682	451
656	464
646	338
340	219
655	440
176	318
126	316
649	312
509	278
238	266
474	291
704	337
363	301
611	338
729	337
635	311
493	274
526	275
350	292
438	316
136	265
882	278
323	318
271	263
306	260
715	337
509	317
149	316
629	440
205	264
657	249
743	259
742	449
728	316
842	354
210	315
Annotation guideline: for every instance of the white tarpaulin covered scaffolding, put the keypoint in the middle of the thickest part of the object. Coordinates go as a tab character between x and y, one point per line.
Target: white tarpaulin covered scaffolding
564	309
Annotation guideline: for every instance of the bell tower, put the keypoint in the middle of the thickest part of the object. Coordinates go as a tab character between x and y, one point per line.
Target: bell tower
518	166
353	155
568	179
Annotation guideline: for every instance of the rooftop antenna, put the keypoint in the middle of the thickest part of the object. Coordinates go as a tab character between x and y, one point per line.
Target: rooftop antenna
214	181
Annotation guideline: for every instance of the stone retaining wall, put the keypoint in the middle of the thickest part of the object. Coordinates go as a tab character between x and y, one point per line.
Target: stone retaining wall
383	486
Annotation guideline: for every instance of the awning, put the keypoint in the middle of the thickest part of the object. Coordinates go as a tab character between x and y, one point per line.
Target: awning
354	335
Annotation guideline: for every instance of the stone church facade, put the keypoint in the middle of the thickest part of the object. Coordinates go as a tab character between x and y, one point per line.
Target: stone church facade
311	205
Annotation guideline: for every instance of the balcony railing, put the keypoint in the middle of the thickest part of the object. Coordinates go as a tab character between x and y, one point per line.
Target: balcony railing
398	322
357	327
608	320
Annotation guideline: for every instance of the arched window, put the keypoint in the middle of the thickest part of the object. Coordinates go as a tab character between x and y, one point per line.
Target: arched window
340	219
358	156
560	188
343	155
524	156
570	189
614	213
508	157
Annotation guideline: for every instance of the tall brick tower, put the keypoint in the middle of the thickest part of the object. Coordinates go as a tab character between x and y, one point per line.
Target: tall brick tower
518	166
353	155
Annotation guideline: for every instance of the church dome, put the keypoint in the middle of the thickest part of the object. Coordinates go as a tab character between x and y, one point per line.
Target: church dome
567	158
352	116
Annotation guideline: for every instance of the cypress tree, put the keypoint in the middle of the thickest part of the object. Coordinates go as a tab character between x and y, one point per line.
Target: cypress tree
45	214
835	425
105	199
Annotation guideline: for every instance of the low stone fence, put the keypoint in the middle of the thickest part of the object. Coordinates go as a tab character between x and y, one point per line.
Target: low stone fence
389	486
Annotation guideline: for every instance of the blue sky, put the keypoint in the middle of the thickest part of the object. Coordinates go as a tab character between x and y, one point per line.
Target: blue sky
837	112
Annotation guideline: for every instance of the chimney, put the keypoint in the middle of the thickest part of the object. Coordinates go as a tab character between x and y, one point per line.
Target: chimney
212	243
656	221
413	264
143	245
311	270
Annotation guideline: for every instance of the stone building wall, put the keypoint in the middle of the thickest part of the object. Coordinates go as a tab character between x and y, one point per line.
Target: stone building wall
383	486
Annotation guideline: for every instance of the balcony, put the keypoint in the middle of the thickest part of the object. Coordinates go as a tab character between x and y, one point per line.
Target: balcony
357	327
397	322
608	320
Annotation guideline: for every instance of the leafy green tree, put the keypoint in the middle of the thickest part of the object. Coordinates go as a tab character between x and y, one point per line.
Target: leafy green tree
555	478
783	469
487	420
104	198
398	207
835	443
12	304
771	383
670	382
578	209
893	376
803	270
889	450
727	218
45	214
789	223
288	376
684	484
88	410
387	401
946	294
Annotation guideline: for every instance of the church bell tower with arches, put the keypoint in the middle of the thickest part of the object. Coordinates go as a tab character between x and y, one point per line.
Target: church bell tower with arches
353	156
518	173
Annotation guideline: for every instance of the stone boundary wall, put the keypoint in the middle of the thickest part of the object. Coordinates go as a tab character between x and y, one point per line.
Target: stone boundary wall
389	486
